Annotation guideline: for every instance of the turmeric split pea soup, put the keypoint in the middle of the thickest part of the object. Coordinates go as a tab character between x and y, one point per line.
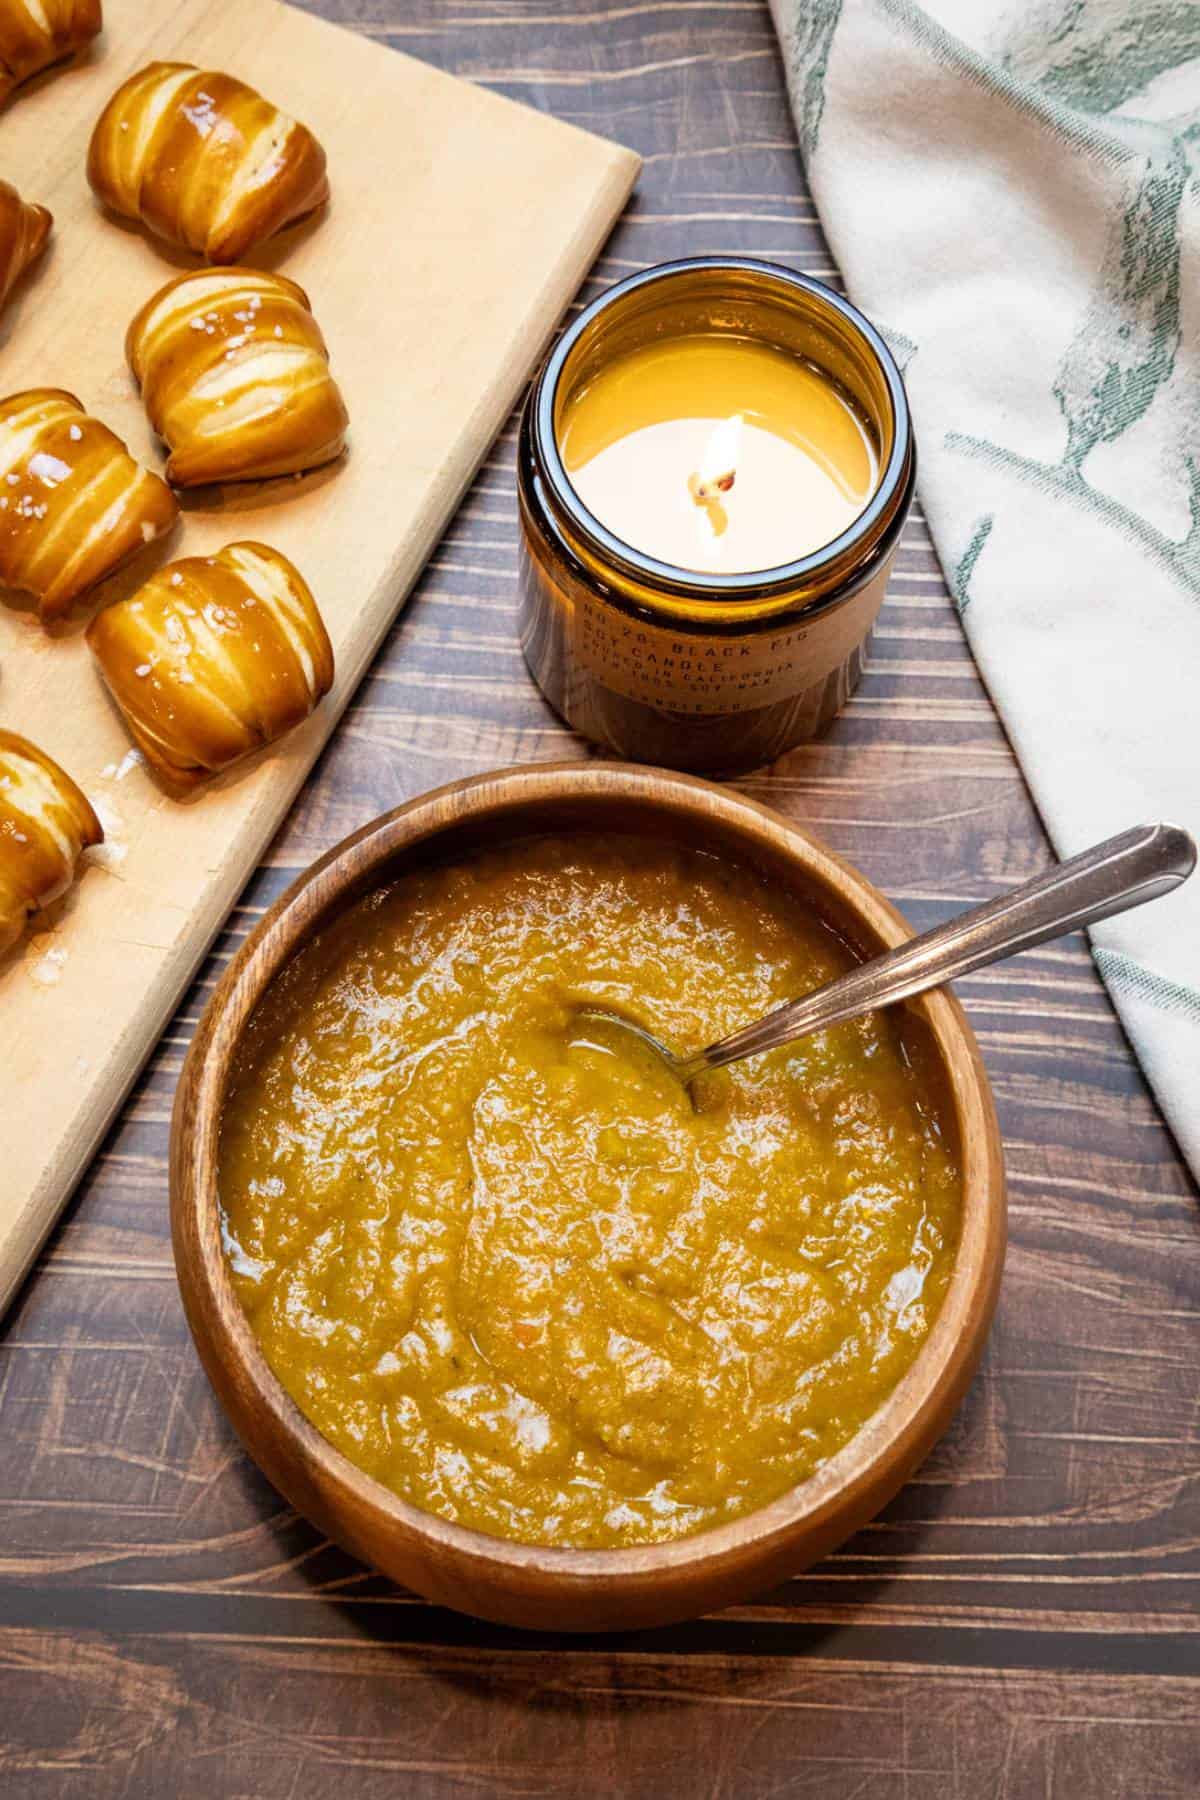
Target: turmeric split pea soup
519	1278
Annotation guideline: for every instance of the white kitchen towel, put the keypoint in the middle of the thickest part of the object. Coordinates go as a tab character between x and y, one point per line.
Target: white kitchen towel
1009	187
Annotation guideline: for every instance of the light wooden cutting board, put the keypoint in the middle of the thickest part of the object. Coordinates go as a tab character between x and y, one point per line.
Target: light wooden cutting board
461	225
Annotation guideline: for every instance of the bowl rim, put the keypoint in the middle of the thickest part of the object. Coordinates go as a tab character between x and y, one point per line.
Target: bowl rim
897	1434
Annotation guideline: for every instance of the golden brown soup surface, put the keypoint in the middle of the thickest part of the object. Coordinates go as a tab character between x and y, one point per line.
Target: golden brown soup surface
517	1277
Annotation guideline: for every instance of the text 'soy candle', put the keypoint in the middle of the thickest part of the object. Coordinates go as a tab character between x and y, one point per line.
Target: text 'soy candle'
715	465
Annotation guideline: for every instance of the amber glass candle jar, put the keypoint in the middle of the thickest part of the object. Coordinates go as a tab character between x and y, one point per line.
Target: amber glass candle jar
708	668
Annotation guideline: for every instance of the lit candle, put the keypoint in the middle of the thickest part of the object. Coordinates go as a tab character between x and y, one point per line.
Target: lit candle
715	466
718	453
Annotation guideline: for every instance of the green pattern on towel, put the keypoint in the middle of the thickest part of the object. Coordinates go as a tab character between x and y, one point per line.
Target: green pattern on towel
1010	188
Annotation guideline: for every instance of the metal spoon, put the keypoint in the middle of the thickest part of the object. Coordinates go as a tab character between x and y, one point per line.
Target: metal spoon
1123	872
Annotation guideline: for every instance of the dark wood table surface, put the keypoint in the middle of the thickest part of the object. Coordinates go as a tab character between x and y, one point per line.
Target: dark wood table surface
1022	1621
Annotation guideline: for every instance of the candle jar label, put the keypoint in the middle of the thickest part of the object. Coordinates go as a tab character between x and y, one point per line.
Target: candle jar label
696	673
716	701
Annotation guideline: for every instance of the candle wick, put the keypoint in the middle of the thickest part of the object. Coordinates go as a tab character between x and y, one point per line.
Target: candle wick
718	466
704	492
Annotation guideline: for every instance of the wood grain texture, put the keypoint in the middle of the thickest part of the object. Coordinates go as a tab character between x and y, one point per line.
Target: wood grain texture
1022	1621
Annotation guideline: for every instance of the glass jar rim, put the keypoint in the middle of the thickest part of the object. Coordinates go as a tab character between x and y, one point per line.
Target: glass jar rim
895	477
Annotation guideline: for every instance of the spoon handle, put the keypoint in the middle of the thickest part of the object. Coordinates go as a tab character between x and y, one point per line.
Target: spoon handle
1124	871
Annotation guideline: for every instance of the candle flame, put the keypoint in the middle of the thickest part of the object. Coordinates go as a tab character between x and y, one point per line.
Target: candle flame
718	466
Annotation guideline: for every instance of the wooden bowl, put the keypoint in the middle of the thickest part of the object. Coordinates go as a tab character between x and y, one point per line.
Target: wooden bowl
523	1584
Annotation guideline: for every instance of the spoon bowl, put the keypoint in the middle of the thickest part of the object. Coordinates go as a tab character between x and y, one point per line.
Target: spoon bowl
614	1033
